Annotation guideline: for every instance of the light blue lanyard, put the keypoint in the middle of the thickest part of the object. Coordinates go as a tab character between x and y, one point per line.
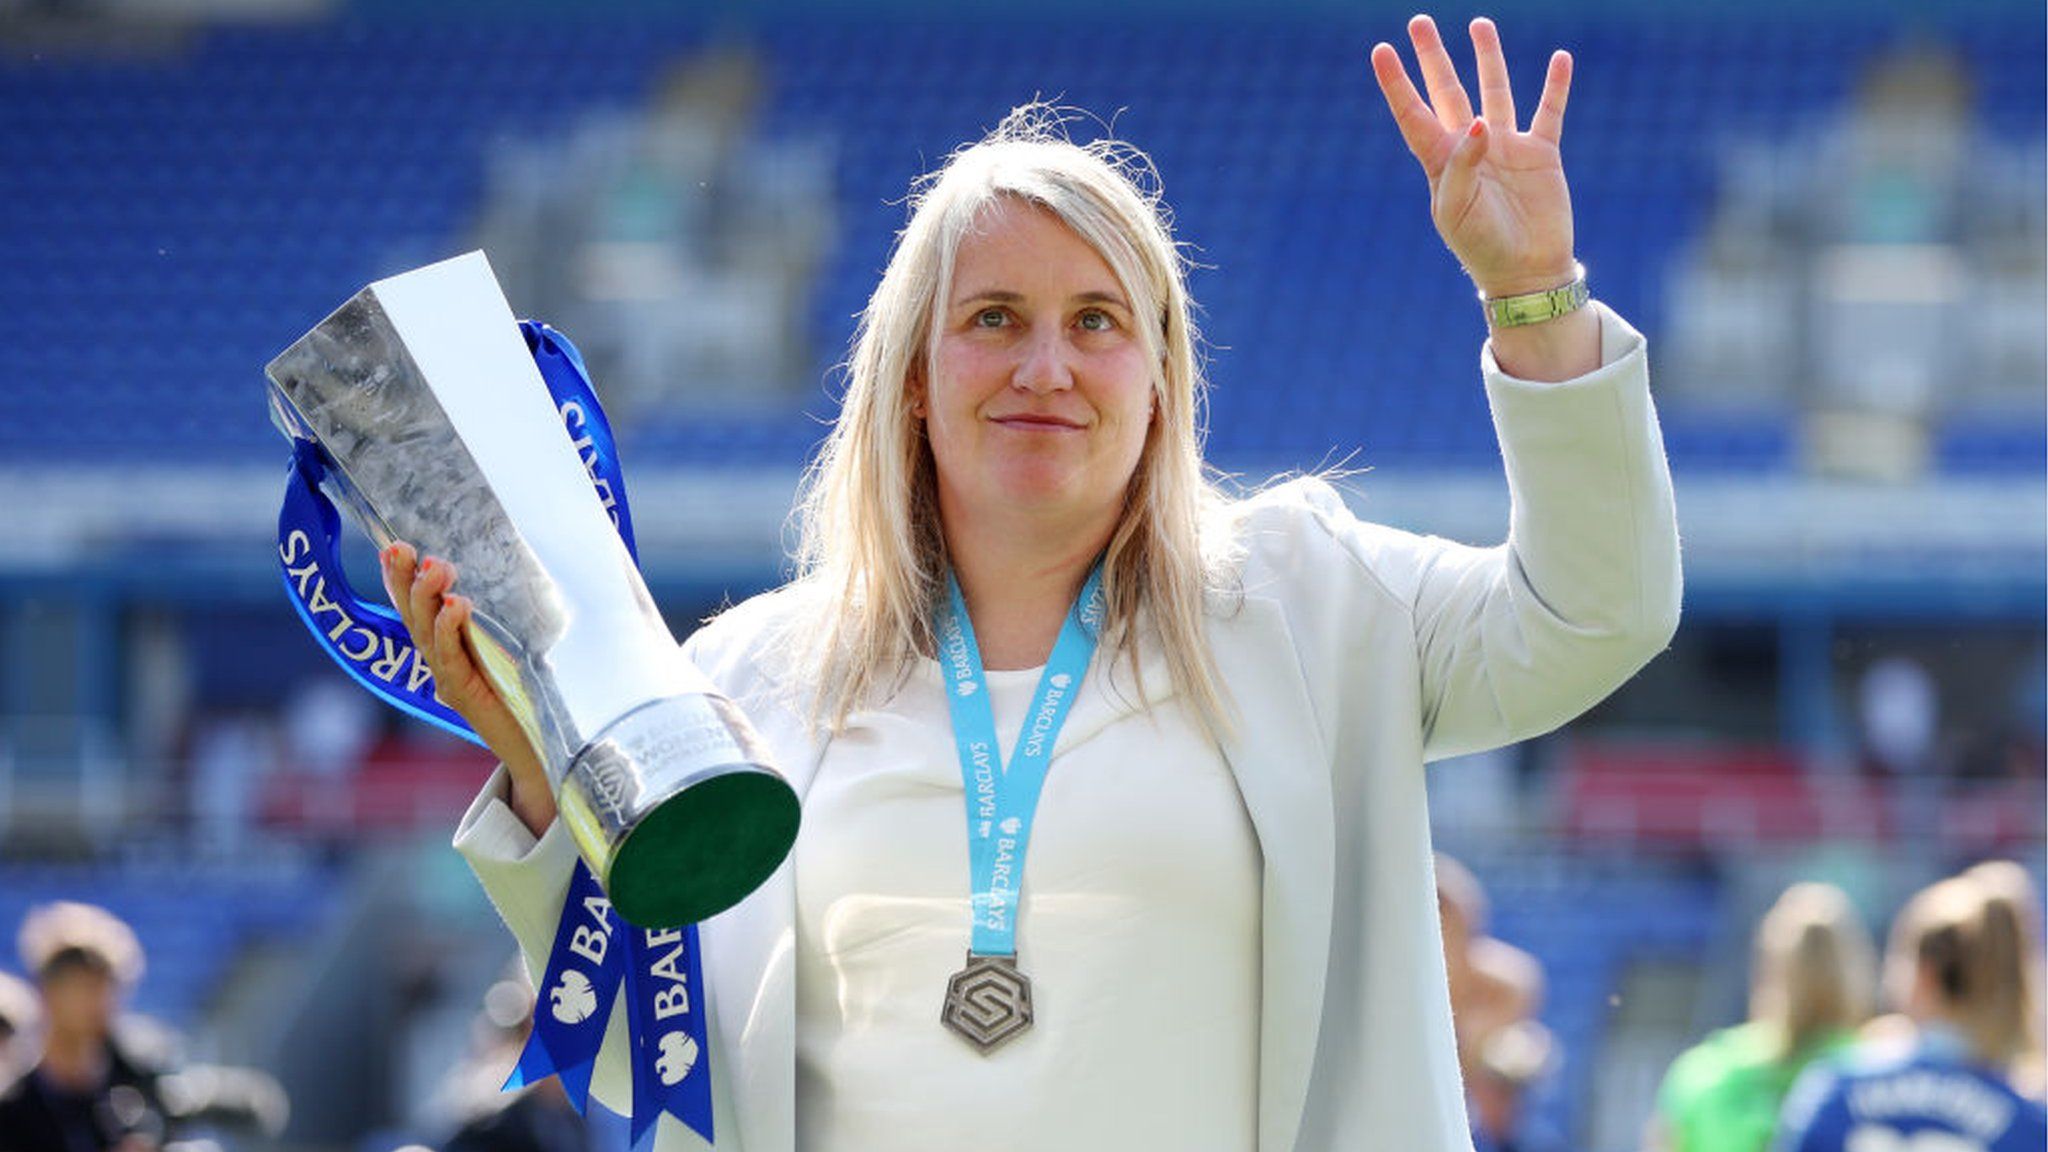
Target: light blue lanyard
1002	796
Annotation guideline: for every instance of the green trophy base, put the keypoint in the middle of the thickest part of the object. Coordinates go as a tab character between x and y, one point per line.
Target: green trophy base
704	849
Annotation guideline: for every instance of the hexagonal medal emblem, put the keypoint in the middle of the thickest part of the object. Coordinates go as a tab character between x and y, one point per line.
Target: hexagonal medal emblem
988	1002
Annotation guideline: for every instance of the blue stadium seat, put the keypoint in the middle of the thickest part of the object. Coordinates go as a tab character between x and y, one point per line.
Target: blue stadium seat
192	922
175	221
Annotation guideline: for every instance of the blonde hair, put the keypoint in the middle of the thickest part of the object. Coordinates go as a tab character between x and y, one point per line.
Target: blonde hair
1965	937
1814	968
871	558
2007	881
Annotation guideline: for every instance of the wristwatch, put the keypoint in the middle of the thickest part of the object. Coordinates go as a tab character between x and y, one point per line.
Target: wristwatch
1536	307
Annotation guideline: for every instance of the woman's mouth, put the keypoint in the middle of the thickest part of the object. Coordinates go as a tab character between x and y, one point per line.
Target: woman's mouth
1035	422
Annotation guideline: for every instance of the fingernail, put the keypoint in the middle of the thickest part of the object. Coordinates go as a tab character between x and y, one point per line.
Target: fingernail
427	565
1477	130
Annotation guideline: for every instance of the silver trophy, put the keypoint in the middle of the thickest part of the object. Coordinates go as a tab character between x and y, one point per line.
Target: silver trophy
438	430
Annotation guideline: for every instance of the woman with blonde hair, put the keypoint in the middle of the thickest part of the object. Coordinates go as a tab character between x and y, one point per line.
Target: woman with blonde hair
1023	606
1810	986
2007	881
1956	967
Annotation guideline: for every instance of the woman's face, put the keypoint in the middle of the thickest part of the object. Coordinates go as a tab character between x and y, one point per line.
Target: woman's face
1041	387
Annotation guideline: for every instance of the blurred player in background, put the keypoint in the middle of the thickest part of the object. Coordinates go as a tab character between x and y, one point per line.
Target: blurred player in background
1957	968
92	1090
2005	880
1810	987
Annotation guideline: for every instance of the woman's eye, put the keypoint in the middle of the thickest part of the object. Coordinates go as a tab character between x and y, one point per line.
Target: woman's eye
989	318
1096	320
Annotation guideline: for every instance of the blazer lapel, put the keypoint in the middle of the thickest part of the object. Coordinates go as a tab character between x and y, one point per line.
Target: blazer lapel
1282	772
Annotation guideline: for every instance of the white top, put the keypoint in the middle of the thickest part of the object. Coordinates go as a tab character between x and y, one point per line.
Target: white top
1139	931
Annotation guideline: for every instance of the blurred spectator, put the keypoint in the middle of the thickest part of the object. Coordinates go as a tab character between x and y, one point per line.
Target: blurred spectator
1881	270
19	1020
91	1091
231	756
1810	987
1899	714
679	246
1956	968
538	1118
1493	983
107	1082
1901	154
1495	989
2024	751
1900	711
1511	1060
329	725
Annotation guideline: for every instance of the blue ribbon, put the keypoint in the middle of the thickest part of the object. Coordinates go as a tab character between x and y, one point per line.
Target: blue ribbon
671	1058
576	993
1002	797
368	640
595	950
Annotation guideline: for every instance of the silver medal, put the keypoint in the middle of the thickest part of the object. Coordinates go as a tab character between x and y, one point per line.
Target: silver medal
988	1003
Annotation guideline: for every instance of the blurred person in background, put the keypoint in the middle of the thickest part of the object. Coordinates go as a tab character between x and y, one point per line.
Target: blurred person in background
93	1089
1810	987
2009	884
20	1020
2006	880
537	1118
1496	990
1019	428
1511	1063
1493	984
104	1080
1956	967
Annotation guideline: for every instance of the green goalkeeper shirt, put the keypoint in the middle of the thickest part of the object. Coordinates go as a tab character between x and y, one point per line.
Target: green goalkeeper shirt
1723	1094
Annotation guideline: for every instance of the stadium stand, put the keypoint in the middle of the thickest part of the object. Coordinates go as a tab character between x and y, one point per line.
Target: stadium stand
176	218
192	921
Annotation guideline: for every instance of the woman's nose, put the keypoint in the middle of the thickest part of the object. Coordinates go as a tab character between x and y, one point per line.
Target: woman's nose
1046	365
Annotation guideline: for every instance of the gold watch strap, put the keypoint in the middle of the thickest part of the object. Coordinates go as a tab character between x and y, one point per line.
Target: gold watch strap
1536	307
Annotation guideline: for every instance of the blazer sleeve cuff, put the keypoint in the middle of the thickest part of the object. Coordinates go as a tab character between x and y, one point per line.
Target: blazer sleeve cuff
527	878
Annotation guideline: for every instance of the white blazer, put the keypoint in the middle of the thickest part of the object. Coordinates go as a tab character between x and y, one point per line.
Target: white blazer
1355	653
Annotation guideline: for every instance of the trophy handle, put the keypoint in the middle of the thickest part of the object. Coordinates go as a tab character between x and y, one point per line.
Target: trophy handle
367	639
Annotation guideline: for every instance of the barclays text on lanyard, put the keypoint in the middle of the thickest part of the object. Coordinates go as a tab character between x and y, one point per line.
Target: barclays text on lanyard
988	1002
595	950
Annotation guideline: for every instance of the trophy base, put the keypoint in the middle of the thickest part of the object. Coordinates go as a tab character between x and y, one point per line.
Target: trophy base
704	849
676	813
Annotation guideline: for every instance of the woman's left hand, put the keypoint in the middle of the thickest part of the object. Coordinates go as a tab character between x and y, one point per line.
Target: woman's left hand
1497	194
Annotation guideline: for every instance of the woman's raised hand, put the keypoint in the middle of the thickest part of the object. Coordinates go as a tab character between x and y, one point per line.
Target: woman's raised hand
1497	194
421	590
